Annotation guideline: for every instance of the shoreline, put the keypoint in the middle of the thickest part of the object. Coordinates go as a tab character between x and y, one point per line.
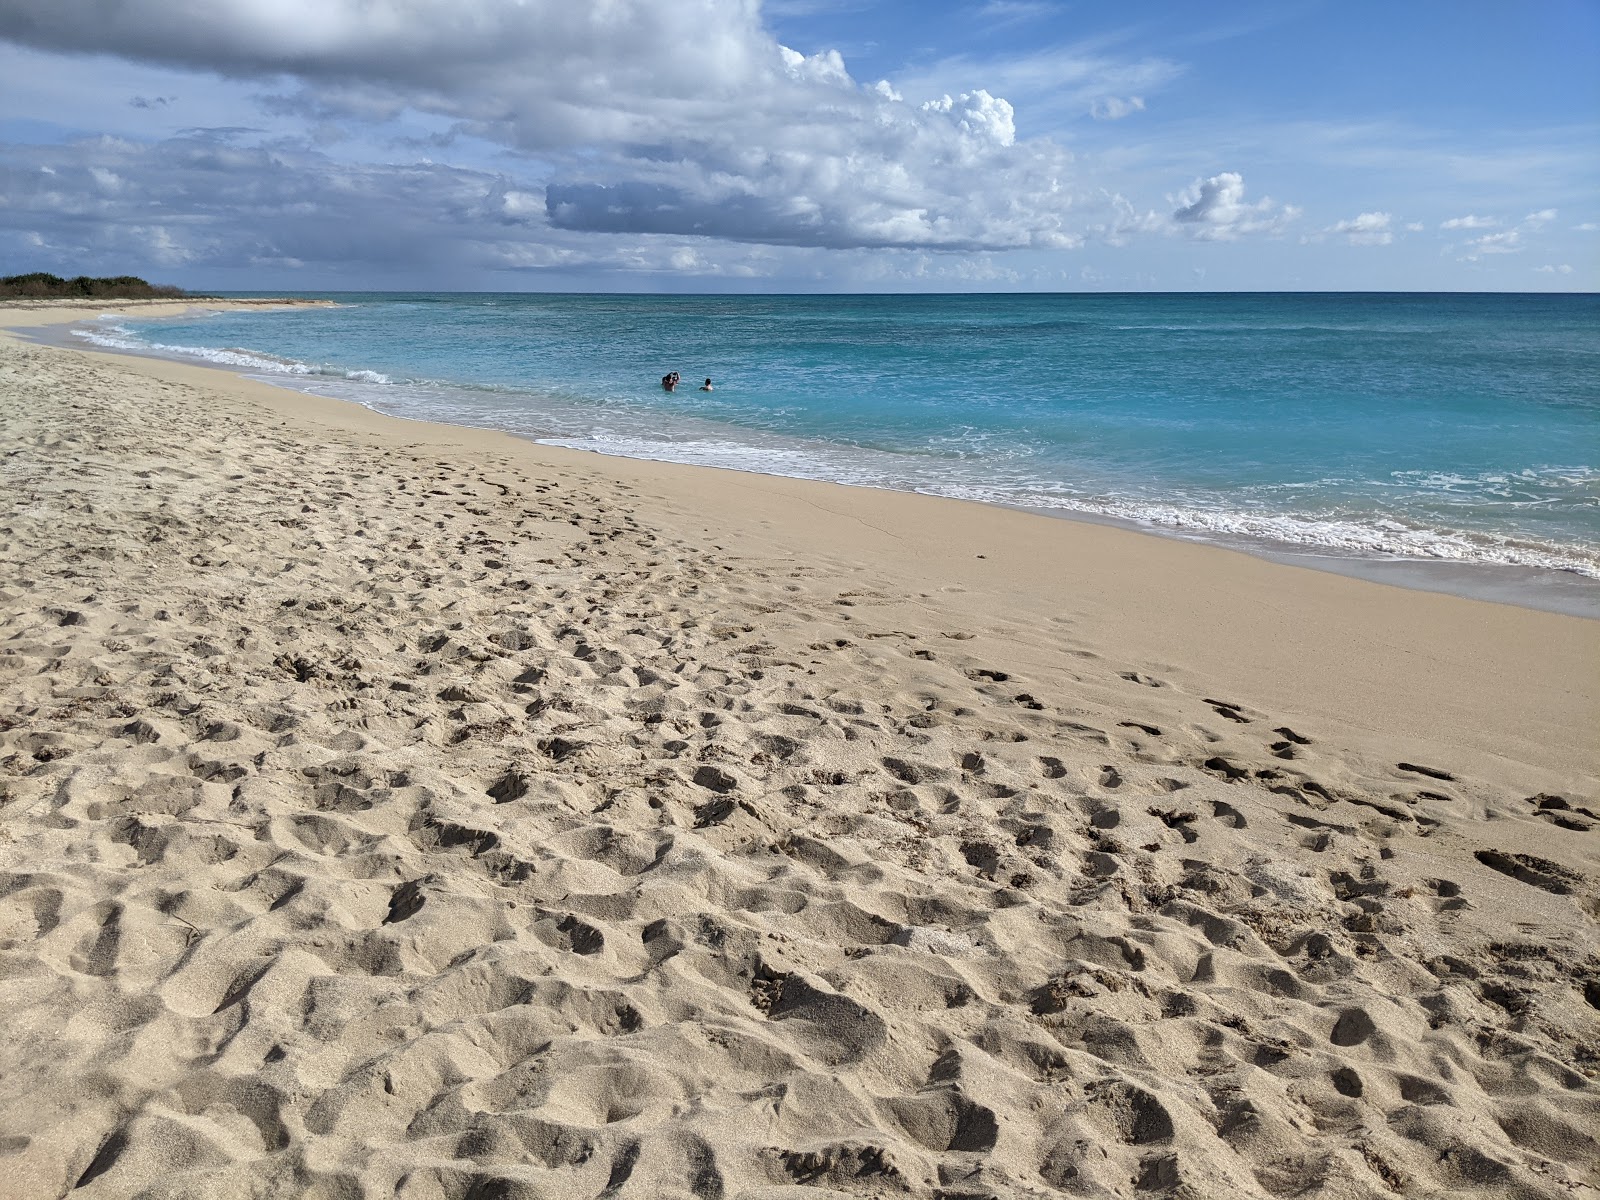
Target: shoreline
1539	588
410	808
1038	542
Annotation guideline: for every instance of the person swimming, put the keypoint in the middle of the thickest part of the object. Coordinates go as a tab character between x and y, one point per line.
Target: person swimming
706	387
669	381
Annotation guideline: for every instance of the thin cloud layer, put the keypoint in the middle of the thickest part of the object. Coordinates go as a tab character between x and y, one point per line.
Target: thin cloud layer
1506	241
208	199
1114	108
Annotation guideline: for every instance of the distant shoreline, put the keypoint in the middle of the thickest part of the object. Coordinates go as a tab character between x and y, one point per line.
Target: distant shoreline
58	304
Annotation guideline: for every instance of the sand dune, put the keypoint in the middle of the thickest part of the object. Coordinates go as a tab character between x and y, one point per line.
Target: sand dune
396	811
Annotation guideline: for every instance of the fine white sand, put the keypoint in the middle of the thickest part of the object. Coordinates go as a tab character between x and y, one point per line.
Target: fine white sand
395	810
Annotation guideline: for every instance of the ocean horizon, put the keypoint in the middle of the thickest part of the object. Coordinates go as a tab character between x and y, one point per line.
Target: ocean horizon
1388	430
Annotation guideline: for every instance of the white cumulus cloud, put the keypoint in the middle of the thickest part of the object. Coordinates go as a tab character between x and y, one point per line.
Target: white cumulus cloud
1368	229
1469	222
1215	210
980	114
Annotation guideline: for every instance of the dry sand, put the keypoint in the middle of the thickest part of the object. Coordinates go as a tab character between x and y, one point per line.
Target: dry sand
395	810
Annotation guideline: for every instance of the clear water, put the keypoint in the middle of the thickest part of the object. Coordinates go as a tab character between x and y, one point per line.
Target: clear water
1450	427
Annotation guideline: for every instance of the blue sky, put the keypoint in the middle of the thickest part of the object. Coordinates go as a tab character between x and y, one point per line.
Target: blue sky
804	145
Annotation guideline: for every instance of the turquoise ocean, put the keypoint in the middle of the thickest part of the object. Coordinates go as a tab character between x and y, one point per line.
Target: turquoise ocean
1459	429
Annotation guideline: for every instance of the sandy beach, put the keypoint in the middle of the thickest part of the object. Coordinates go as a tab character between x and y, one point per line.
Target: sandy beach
391	809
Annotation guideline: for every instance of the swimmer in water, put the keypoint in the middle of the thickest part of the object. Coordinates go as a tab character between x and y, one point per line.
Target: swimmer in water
706	387
669	382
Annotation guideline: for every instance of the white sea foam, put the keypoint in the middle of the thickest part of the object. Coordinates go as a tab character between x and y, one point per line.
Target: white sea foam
120	337
1363	536
711	452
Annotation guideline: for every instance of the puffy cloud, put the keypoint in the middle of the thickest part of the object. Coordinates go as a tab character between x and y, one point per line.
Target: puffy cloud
1368	229
945	175
646	116
1563	269
475	49
1469	222
826	67
1538	220
979	114
1214	210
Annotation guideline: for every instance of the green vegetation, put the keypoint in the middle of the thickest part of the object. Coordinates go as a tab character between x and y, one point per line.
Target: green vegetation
42	286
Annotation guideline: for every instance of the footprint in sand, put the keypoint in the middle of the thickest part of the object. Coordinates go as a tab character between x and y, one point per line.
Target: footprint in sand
1228	814
1179	821
1532	870
406	902
1221	766
1430	772
1559	812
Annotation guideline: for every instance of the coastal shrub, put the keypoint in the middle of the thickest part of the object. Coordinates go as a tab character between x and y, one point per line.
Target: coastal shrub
40	285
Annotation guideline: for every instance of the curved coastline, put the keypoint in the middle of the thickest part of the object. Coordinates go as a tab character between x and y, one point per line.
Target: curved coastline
1567	590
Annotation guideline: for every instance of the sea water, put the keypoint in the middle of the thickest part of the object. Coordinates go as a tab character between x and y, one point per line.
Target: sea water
1424	428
